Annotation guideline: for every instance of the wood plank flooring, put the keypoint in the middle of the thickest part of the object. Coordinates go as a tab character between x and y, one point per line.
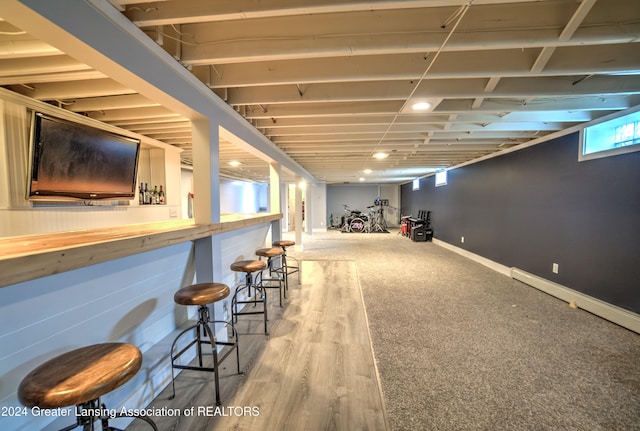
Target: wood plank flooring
315	371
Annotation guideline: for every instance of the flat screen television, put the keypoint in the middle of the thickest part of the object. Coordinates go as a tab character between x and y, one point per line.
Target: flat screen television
74	161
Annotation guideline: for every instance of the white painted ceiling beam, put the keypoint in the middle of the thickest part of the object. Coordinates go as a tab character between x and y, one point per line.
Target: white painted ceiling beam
133	114
576	103
169	121
401	147
192	11
36	65
31	80
154	127
417	128
11	48
76	89
125	101
367	120
437	89
398	137
504	63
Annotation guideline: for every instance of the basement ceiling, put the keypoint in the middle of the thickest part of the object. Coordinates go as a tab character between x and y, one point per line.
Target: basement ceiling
332	83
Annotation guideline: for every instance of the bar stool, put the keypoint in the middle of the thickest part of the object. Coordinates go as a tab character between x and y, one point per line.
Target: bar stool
249	267
201	295
270	253
288	269
80	377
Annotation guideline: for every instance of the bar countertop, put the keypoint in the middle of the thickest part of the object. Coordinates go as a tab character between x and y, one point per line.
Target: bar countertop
28	257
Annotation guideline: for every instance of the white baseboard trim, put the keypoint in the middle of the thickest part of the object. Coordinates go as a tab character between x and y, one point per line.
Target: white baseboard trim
504	270
610	312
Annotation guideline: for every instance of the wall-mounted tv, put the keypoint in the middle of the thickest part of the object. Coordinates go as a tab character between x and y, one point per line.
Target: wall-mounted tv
75	161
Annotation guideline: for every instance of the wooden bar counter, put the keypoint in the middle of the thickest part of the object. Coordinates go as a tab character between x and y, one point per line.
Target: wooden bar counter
28	257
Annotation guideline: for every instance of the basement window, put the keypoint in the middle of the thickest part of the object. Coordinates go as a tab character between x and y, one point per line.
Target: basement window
610	138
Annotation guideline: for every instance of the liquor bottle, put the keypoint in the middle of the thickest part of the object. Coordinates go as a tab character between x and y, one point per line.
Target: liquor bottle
141	194
161	200
147	195
154	195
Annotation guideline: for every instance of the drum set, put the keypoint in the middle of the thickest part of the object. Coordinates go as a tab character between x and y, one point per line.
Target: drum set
357	221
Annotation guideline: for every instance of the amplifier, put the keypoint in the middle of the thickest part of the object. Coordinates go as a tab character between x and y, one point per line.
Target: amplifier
428	232
418	234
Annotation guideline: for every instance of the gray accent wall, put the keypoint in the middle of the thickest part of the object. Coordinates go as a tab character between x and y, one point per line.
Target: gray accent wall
539	206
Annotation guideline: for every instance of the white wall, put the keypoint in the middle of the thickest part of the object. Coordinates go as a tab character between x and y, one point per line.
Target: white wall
242	196
235	196
319	207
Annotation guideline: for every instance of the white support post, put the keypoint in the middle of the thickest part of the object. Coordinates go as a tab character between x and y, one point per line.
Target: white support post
275	199
206	187
298	212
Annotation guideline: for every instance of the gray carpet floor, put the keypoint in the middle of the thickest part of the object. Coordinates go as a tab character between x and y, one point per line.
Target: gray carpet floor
461	347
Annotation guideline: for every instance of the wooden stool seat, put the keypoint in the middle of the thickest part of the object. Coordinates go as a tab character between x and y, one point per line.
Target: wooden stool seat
80	375
283	243
201	294
269	252
248	266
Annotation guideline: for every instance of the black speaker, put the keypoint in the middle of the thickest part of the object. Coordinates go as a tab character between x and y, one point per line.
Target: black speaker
418	233
428	233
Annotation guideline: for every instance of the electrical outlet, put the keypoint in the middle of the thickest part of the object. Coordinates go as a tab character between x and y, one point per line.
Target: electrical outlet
462	240
555	268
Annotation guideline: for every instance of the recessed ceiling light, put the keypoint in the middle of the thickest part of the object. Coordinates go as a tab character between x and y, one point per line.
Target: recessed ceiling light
380	156
367	171
361	179
421	106
234	163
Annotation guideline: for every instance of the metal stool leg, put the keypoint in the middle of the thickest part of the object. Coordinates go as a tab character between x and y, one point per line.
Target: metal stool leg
279	278
202	328
259	289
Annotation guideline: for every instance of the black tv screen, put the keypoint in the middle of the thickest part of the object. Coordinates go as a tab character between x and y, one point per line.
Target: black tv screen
71	160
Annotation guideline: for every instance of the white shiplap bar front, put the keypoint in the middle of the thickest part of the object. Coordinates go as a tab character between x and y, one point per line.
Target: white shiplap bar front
67	290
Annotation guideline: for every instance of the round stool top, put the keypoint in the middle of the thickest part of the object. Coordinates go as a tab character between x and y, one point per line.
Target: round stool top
283	243
80	375
201	294
248	265
269	252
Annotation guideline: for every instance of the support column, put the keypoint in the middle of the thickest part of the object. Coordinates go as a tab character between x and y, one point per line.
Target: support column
308	210
275	199
206	204
206	171
298	215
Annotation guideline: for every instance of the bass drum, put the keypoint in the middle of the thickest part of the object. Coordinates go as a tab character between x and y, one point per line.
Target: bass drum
356	225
